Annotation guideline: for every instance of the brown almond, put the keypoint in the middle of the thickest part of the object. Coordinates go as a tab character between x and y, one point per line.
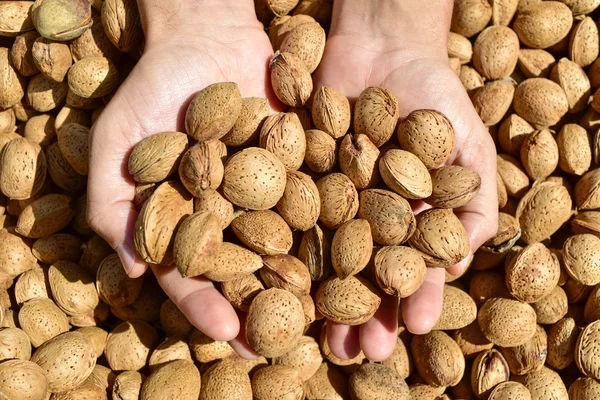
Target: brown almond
206	349
16	18
543	383
321	151
327	383
459	47
314	252
399	270
495	52
115	288
247	126
331	295
7	121
267	183
453	186
233	261
73	142
506	322
45	94
376	114
331	112
581	258
503	11
225	380
587	349
282	25
263	231
574	81
290	79
42	320
513	175
156	246
283	135
157	157
493	100
405	174
489	369
535	63
528	357
300	204
552	307
179	376
438	359
129	345
15	254
575	149
471	340
389	215
15	344
584	388
305	357
23	379
277	381
469	17
93	77
14	88
584	44
21	53
562	339
61	172
241	291
440	238
339	199
173	321
127	385
173	348
351	248
196	243
587	191
307	42
121	22
539	154
274	310
537	260
284	271
470	78
543	210
60	246
212	201
358	159
458	310
96	336
540	101
213	111
45	216
512	132
40	129
72	288
23	169
533	28
52	58
62	20
377	381
586	222
94	42
592	306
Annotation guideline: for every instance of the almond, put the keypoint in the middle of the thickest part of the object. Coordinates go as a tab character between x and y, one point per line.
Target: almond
471	340
552	307
459	47
358	159
60	246
307	42
503	11
15	254
489	369
290	79
173	321
173	348
284	271
157	157
45	94
305	357
210	200
197	243
584	44
121	22
129	345
206	349
314	252
321	151
14	88
225	380
438	359
562	339
15	344
399	270
574	146
495	52
535	63
587	349
539	154
73	142
45	216
458	310
389	215
513	175
115	288
127	385
529	356
96	336
376	114
247	127
587	191
339	199
23	169
94	42
93	77
540	101
331	112
470	78
492	101
61	172
377	380
506	322
42	320
351	248
233	261
60	19
23	379
533	27
300	204
453	186
72	288
469	17
543	383
327	383
277	381
179	376
40	129
583	388
581	258
573	80
405	174
283	135
241	291
16	18
52	58
331	300
21	53
263	231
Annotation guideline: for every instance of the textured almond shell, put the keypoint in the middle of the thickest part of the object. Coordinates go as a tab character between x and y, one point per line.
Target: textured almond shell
495	52
543	210
72	288
458	310
129	345
305	357
539	154
15	344
241	291
535	62
552	307
405	174
283	135
327	383
358	159
399	270
246	128
534	260
180	378
22	169
543	24
284	271
225	380
331	112
274	323
540	101
332	300
197	242
575	149
574	81
45	216
438	359
263	231
389	215
321	151
339	199
493	100
93	77
453	186
307	42
440	237
61	172
584	388
212	201
290	79
300	204
67	361
543	384
16	18
73	142
13	88
254	178
233	261
156	157
581	258
377	380
314	252
562	339
587	191
23	379
513	175
351	247
45	94
158	220
121	22
506	322
459	47
469	17
42	320
489	369
15	254
376	114
206	349
115	288
173	348
584	44
277	381
528	357
53	59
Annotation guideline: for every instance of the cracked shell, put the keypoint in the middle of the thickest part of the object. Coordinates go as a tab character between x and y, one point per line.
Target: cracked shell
351	248
438	359
581	258
529	356
376	114
507	322
489	369
300	204
440	237
534	260
399	270
254	178
157	157
158	221
352	301
274	323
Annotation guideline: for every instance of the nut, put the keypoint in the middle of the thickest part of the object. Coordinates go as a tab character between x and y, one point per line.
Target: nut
121	22
15	254
72	288
399	270
61	19
45	94
277	381
458	310
210	200
587	191
534	27
307	42
534	260
562	339
339	199
73	143
93	77
539	154
587	350
127	385
314	252
459	47
543	383
331	112
42	320
129	345
22	169
206	349
283	135
469	17
584	44
489	369
321	151
305	357
535	63
51	58
21	53
529	356
173	348
358	160
225	380
351	248
510	391
581	258
552	307
495	52
197	243
453	186
263	231
179	376
247	127
22	379
290	79
331	300
506	322
157	157
574	146
241	291
471	340
438	359
115	288
379	381
300	204
376	114
231	262
513	175
284	271
14	87
540	101
583	388
572	78
405	174
15	344
389	215
492	101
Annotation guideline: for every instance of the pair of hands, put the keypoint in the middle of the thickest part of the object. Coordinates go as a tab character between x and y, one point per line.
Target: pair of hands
366	47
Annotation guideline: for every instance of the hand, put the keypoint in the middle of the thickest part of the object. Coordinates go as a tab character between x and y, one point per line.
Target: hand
221	42
402	46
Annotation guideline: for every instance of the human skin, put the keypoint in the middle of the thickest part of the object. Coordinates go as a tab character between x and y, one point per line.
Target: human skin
400	45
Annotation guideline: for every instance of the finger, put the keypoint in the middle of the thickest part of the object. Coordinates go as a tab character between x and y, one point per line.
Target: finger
239	344
200	302
422	309
343	340
110	211
379	335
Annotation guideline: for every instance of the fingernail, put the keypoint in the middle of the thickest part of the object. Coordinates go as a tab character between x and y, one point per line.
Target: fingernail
127	256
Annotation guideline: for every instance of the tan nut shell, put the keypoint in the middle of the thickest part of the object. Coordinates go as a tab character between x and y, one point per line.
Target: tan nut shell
574	81
552	307
586	222
197	243
575	149
379	382
339	199
263	231
173	321
42	320
513	175
543	210
52	59
225	380
438	359
173	348
528	357
587	191
469	17
22	379
283	135
277	381
21	56
584	44
489	369
45	94
275	322
247	127
15	254
459	47
351	247
389	215
584	388
290	79
440	249
14	87
399	270
535	62
67	360
72	288
40	129
331	300
179	378
540	101
14	344
495	52
331	112
201	167
534	27
94	43
376	114
453	186
45	216
534	260
506	322
492	101
471	340
539	154
314	252
458	310
321	151
307	42
61	172
543	384
284	271
300	204
405	174
510	391
254	178
16	18
212	201
127	385
241	291
562	339
22	169
327	383
166	208
587	350
97	336
157	157
121	22
206	349
358	159
60	19
129	345
115	288
93	77
233	261
581	258
305	357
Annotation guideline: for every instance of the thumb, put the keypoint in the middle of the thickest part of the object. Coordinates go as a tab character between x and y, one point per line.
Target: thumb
110	209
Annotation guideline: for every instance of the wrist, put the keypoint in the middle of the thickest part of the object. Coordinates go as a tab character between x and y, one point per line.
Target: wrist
162	19
414	24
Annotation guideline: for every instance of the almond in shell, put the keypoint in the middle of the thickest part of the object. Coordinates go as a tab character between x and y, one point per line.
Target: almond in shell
61	172
377	380
72	288
533	260
540	101
247	127
14	88
179	376
15	344
584	388
52	58
157	157
225	380
405	174
562	339
45	216
15	254
241	291
469	17
263	231
121	22
528	357
453	186
129	345
535	62
376	114
438	359
93	77
307	42
389	215
115	288
533	27
587	191
489	369
399	270
283	135
331	112
574	81
22	169
42	320
212	201
32	284
331	300
284	271
60	19
514	177
314	252
552	307
493	100
231	262
507	322
21	53
584	44
459	47
300	204
575	149
581	258
23	379
543	384
60	246
495	52
339	199
290	79
277	381
458	309
197	242
351	248
321	151
539	154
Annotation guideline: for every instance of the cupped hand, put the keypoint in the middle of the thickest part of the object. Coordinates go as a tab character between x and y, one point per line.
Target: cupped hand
179	60
361	52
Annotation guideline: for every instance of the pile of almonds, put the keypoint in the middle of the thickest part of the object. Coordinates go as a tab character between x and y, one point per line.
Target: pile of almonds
303	216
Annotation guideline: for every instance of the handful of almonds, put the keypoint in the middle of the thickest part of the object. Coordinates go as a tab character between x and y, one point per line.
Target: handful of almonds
303	216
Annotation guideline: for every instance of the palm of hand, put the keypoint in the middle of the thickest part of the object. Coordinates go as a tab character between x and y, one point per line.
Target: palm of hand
419	80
